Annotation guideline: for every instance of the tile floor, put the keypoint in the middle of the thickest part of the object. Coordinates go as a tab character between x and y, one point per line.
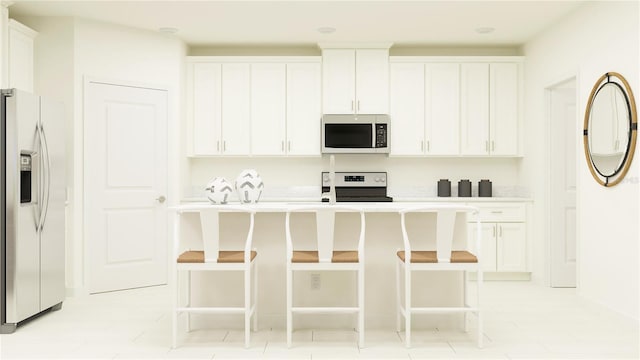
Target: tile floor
523	321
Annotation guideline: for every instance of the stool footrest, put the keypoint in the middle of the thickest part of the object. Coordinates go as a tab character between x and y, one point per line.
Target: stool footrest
325	310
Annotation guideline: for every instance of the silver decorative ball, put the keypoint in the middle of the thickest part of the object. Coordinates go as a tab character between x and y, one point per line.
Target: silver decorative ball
249	186
218	190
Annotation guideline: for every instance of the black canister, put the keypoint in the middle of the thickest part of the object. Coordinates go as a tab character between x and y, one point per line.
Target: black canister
444	188
464	188
484	188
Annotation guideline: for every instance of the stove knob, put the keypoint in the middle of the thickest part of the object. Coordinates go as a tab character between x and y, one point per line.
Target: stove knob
378	179
325	178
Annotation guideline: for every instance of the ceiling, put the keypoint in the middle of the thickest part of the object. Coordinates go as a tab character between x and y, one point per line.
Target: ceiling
405	23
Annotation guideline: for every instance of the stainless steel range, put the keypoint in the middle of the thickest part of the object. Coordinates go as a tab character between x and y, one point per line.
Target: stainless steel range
358	186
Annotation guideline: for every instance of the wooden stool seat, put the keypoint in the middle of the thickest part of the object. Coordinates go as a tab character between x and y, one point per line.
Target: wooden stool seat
197	256
431	257
312	257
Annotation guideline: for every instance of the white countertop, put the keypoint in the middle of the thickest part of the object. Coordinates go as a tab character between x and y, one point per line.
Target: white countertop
397	199
398	204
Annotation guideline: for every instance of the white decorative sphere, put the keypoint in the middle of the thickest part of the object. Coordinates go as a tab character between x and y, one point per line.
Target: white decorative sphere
249	186
218	190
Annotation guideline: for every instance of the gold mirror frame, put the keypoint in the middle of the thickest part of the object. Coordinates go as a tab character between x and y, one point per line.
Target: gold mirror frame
618	175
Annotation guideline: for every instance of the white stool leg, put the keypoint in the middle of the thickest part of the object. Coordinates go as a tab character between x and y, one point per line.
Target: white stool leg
174	313
480	280
361	305
189	300
465	300
407	307
398	298
255	295
289	304
247	304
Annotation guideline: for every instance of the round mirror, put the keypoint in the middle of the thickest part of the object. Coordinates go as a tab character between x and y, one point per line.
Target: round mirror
610	129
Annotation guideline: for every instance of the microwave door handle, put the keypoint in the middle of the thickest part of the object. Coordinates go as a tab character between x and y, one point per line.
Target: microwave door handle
374	143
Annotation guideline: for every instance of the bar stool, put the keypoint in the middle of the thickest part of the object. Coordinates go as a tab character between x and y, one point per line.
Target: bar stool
214	259
414	257
323	257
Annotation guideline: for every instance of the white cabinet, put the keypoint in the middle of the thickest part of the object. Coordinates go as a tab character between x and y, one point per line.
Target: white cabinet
303	109
489	108
355	81
407	109
20	59
424	108
442	104
285	109
248	106
205	101
268	108
236	111
220	122
504	238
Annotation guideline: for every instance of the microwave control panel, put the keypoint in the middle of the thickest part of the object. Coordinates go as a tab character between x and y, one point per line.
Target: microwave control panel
381	135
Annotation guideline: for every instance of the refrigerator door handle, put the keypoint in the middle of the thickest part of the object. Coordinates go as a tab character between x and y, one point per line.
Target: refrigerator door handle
47	177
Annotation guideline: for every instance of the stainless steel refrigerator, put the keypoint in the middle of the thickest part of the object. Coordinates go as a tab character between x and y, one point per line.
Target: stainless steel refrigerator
32	212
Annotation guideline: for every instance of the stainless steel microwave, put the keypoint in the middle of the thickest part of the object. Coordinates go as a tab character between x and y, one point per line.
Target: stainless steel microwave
355	134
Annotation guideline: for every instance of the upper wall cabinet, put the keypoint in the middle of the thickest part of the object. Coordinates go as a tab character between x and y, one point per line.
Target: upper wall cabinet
424	108
355	81
490	108
453	106
20	62
220	124
253	106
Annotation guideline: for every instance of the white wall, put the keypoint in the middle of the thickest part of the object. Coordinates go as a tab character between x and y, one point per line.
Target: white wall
82	48
598	37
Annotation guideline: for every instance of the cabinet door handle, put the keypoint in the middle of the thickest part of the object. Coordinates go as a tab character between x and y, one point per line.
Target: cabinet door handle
497	212
493	145
218	146
352	105
224	146
422	145
486	146
494	230
500	231
428	145
358	106
289	145
282	145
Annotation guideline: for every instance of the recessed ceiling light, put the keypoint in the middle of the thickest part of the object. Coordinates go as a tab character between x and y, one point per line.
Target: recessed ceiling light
326	30
484	30
168	30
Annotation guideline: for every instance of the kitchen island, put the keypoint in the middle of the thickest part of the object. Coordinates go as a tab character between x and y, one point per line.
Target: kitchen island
383	239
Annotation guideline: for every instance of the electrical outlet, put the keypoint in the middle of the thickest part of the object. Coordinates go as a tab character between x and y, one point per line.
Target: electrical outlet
315	281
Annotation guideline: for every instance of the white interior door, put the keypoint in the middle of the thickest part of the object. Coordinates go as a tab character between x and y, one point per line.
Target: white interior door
563	146
125	182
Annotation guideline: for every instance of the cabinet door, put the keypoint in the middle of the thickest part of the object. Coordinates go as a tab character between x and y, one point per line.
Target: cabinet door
20	56
512	247
303	109
503	108
206	108
442	104
407	109
236	109
475	109
488	255
268	109
372	81
338	81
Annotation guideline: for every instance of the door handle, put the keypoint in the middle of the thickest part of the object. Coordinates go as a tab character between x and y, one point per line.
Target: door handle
161	199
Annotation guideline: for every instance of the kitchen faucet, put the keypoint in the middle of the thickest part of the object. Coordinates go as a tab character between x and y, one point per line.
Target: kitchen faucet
331	195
